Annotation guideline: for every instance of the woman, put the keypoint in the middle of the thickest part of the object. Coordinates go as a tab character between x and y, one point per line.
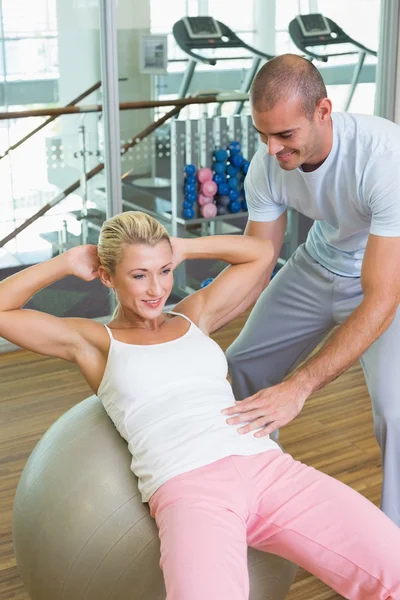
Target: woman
163	382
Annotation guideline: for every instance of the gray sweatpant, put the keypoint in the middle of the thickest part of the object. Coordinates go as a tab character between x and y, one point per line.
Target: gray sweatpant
301	304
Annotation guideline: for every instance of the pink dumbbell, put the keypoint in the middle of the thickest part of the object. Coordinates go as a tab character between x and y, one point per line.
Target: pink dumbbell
204	174
209	188
202	200
208	210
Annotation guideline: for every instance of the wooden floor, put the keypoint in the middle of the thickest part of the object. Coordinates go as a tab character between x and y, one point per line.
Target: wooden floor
333	433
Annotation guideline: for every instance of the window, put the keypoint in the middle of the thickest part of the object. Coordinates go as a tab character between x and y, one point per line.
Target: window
346	14
365	28
29	42
229	12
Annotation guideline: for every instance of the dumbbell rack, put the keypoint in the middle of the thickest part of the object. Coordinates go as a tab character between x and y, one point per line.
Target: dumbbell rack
194	142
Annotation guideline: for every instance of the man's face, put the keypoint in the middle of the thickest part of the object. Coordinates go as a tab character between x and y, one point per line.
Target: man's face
290	136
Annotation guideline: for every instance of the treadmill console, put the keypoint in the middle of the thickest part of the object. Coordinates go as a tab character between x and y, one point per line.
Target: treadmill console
313	25
202	28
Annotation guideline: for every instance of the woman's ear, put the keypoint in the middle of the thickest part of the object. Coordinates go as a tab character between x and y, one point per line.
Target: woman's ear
105	278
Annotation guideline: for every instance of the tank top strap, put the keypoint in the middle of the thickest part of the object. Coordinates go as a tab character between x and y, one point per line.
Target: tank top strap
109	332
178	314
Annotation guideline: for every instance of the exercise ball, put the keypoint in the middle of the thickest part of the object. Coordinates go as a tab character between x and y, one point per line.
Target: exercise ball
80	529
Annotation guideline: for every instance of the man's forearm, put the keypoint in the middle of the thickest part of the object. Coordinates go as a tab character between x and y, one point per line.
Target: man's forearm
360	330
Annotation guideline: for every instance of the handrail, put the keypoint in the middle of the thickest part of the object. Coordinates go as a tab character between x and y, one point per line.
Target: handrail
97	169
82	96
70	110
179	103
79	98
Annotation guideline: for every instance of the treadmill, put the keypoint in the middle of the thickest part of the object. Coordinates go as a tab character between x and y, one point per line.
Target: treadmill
310	32
206	33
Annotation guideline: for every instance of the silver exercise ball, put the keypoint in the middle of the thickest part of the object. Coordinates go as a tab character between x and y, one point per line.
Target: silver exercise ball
80	528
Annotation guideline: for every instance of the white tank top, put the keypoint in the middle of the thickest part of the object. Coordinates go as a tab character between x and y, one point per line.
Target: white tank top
166	400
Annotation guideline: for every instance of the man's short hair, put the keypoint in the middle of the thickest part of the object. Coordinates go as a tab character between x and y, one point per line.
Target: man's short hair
288	76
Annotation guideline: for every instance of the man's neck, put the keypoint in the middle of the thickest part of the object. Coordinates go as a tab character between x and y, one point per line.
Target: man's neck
322	154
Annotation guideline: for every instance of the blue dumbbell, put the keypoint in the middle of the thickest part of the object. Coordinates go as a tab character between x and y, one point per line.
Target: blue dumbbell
190	179
234	147
233	195
237	160
234	206
233	183
190	188
219	178
190	169
223	189
188	213
220	155
232	171
244	206
219	167
245	167
191	197
206	282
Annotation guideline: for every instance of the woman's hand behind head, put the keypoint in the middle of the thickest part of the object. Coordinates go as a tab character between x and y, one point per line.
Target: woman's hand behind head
84	262
178	251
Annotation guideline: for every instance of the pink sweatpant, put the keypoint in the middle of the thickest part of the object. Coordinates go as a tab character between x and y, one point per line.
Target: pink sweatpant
207	518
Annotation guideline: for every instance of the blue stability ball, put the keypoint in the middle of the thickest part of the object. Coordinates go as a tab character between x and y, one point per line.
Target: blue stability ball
219	178
234	206
237	160
190	169
245	167
188	213
220	167
223	200
190	179
206	282
220	155
223	189
232	170
233	195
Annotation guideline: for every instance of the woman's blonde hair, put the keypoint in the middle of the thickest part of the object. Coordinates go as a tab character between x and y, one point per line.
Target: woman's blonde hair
132	227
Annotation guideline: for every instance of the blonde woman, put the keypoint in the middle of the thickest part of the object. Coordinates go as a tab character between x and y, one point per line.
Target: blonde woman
212	490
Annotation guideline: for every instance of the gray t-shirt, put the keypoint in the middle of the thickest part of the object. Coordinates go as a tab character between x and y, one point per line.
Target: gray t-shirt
356	191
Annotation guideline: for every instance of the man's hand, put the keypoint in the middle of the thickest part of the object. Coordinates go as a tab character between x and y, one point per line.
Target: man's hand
267	410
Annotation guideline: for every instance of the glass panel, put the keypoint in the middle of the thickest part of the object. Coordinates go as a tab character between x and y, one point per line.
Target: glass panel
285	12
31	58
347	15
22	16
232	14
44	69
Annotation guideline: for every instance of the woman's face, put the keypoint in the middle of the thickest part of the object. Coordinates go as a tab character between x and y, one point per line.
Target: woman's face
143	280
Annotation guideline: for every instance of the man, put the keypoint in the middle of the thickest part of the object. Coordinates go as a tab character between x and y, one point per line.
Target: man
343	171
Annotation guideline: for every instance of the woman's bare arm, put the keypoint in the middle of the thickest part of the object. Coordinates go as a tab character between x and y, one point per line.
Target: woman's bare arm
38	331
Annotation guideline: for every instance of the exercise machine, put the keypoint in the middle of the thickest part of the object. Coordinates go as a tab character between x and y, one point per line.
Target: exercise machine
207	35
320	38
